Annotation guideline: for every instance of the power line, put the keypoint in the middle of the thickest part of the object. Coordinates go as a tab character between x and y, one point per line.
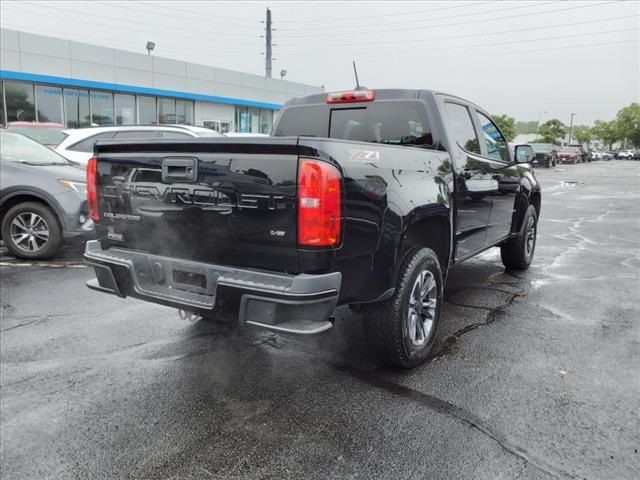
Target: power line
471	35
396	14
165	33
174	9
501	53
135	22
173	15
379	32
480	45
405	22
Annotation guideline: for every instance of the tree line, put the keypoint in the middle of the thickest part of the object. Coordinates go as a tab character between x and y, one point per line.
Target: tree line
625	127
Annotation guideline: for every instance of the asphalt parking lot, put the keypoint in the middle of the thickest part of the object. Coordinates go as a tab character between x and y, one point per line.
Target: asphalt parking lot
536	374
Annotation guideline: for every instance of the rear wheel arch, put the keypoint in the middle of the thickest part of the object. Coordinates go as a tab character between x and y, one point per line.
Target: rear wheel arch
432	232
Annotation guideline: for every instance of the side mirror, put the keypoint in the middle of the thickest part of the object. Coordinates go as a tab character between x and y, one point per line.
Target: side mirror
524	153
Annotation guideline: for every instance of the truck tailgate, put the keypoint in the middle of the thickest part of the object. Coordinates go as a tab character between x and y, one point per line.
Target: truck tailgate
213	201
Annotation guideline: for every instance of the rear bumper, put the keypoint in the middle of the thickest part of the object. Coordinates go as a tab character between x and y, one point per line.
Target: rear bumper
277	301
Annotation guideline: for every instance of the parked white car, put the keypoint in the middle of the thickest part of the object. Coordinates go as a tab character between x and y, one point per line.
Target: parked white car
626	154
78	144
599	155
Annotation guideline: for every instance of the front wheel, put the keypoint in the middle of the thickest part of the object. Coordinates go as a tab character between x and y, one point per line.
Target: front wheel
31	230
402	330
517	253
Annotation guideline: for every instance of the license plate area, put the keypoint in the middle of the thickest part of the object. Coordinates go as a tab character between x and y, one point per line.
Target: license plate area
191	279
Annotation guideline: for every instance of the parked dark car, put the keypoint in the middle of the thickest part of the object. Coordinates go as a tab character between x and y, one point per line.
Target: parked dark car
546	155
47	133
42	198
363	198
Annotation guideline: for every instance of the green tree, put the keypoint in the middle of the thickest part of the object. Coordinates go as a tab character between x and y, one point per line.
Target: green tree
608	132
552	130
527	127
628	120
582	134
507	126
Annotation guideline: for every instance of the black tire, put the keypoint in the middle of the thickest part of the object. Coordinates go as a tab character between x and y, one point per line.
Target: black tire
518	252
12	226
387	323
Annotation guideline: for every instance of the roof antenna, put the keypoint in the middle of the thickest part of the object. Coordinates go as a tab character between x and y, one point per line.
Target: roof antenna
355	71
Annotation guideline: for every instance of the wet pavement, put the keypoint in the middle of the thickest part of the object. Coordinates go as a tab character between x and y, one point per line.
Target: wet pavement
536	374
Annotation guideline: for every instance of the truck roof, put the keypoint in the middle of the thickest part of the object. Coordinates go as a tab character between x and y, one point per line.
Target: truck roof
381	94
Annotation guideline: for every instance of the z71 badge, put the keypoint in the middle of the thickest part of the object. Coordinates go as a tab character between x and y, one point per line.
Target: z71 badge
365	156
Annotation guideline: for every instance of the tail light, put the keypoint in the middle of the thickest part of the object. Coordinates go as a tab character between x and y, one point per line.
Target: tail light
319	204
92	189
352	96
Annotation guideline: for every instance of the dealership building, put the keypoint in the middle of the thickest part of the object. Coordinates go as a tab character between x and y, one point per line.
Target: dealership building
47	79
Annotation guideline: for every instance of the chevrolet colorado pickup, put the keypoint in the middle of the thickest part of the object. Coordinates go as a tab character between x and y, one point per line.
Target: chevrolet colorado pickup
363	198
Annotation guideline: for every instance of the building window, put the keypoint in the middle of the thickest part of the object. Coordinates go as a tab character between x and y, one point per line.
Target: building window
20	102
147	114
266	121
166	110
49	103
242	119
102	108
184	112
2	120
76	107
125	109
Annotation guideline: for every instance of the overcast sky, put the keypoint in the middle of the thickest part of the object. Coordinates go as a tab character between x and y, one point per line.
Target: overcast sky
523	58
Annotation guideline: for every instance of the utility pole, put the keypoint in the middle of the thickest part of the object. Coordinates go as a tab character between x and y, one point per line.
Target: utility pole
571	128
267	37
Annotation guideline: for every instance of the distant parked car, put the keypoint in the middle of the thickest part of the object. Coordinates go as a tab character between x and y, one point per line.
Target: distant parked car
78	145
583	153
42	198
596	154
546	154
47	133
626	154
570	155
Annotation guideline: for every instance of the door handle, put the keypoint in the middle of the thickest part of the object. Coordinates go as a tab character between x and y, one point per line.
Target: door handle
179	169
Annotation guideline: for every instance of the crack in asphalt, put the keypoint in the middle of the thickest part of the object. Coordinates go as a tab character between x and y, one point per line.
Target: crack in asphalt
36	320
451	410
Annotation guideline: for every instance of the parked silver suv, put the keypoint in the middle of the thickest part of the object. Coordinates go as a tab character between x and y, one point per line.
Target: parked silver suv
42	198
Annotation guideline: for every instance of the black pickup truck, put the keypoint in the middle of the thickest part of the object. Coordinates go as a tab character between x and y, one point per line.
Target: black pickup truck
362	198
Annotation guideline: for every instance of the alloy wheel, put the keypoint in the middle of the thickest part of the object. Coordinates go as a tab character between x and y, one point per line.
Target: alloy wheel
421	312
29	232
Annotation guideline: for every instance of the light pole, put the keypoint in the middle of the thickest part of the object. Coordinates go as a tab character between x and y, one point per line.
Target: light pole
571	128
283	72
538	124
150	46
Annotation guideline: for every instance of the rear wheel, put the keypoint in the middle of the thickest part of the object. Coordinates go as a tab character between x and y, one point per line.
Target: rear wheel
402	330
31	230
517	253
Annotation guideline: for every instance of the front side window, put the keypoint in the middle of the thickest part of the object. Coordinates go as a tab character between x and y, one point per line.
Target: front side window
102	108
493	139
20	102
18	148
462	127
49	101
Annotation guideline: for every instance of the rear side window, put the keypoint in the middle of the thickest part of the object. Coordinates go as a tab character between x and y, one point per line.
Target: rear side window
87	144
167	134
131	134
462	127
311	121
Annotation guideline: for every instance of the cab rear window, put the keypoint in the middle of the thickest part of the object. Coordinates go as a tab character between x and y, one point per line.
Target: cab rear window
394	123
